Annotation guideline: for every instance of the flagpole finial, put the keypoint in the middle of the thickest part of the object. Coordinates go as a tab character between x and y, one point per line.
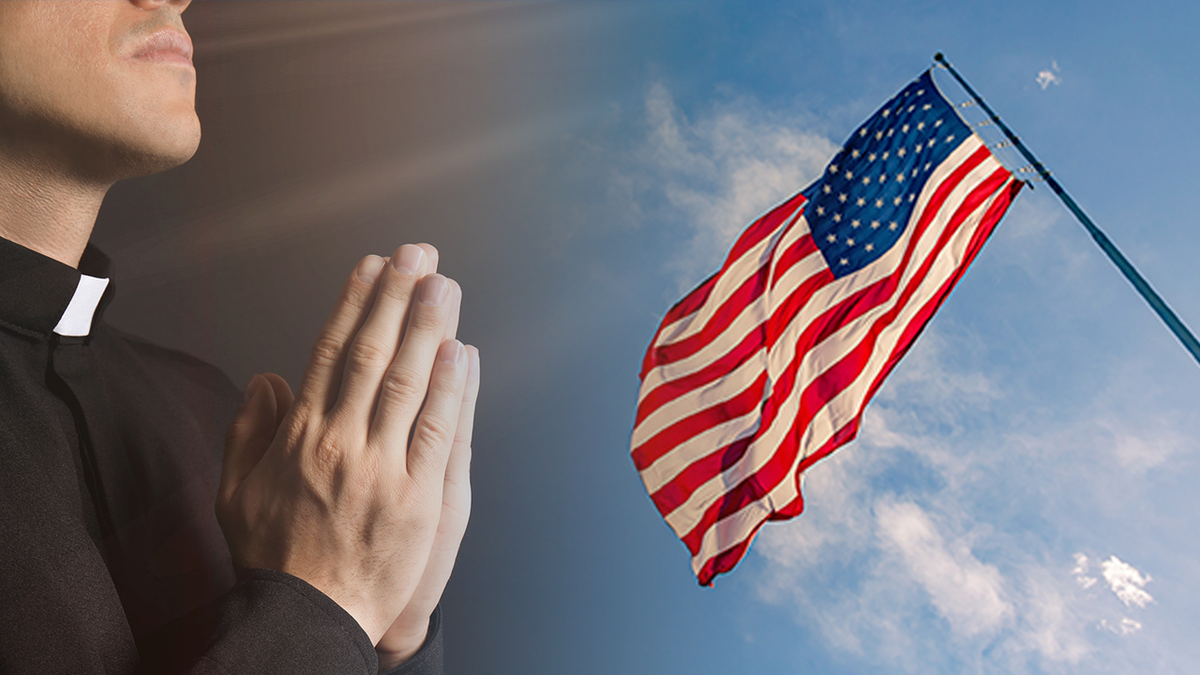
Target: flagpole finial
940	58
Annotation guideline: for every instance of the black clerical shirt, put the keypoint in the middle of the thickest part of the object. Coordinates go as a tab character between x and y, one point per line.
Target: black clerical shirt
111	560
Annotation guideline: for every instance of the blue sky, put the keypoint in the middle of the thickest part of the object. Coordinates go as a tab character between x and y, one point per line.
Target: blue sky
1020	498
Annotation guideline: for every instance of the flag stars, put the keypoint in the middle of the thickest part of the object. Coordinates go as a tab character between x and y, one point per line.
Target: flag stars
882	178
849	174
900	178
862	132
896	201
937	123
904	129
892	226
879	203
855	153
950	138
866	180
871	157
861	201
879	135
901	153
912	196
837	217
849	242
926	107
920	126
843	197
855	223
874	224
827	189
831	238
886	155
820	210
869	247
833	168
844	261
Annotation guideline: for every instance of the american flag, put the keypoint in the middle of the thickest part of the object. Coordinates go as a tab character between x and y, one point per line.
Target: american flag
767	366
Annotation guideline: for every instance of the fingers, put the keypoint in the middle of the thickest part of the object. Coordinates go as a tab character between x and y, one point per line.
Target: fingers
323	374
372	349
251	432
431	254
283	397
458	466
433	433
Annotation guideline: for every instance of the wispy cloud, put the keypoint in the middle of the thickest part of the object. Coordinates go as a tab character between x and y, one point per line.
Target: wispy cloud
1049	76
723	169
966	592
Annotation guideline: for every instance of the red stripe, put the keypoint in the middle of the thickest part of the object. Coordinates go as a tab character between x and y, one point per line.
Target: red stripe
692	302
727	363
750	290
664	441
801	249
669	390
831	382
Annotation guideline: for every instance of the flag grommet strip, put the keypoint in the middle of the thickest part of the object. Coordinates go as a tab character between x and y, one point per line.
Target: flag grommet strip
1174	323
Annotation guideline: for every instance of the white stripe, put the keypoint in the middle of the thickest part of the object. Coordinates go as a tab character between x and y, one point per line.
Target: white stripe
729	281
76	320
723	388
849	403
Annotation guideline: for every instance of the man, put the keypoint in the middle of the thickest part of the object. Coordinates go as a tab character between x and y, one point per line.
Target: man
342	506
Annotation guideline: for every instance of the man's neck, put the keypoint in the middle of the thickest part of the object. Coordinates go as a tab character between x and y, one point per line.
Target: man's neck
47	211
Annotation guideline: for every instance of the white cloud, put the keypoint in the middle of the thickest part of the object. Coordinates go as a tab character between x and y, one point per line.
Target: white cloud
966	592
1081	572
725	168
1049	76
1126	582
1124	627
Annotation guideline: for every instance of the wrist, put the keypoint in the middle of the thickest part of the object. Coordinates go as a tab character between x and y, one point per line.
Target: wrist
400	647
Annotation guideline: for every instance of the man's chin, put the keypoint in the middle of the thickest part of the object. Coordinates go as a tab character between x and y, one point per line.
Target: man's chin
155	153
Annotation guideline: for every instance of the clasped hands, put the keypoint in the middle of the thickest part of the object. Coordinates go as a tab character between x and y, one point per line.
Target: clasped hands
360	483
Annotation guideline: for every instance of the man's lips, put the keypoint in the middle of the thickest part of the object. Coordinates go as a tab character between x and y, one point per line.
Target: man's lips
168	46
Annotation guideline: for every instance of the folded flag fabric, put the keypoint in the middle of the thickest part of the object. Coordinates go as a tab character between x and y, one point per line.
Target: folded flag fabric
767	366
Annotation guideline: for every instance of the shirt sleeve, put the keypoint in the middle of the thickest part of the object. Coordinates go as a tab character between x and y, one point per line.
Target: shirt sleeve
429	658
272	623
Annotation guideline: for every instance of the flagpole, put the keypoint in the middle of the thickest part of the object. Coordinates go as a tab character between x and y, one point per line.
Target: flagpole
1156	303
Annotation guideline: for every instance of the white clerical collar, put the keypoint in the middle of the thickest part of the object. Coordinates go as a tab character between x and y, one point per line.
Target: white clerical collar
76	320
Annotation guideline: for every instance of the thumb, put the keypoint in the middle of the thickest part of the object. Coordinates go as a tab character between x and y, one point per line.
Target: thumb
249	435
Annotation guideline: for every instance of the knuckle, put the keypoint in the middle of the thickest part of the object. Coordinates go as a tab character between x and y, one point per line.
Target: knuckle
403	386
368	353
433	431
326	351
426	319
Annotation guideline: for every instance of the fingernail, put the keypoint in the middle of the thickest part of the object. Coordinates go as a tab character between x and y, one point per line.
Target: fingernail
250	387
434	289
369	269
408	259
450	352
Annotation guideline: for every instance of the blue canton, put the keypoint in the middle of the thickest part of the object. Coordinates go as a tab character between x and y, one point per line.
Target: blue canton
861	206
